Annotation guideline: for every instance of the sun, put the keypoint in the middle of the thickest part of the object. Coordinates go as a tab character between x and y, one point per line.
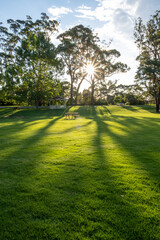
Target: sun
90	69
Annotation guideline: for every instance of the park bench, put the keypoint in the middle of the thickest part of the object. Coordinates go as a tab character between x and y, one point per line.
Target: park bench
71	115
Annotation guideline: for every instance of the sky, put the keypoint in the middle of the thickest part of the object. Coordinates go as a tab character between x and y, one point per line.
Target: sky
111	19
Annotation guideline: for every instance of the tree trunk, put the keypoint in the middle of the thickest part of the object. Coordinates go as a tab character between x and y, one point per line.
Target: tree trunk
157	103
37	95
76	98
157	107
78	91
92	93
37	103
71	93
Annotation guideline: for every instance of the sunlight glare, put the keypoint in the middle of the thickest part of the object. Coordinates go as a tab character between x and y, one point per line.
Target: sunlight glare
90	69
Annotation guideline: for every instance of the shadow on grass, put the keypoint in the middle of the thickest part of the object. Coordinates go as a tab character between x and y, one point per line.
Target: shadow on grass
89	112
96	199
139	134
127	218
87	198
137	108
16	168
12	163
14	121
69	130
118	193
33	113
6	112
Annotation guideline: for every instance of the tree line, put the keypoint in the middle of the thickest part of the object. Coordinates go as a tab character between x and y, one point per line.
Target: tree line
32	68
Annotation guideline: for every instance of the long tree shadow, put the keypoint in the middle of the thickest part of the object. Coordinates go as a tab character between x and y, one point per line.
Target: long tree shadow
141	141
24	145
15	121
96	198
139	137
89	112
17	167
137	108
18	161
128	219
69	130
82	193
6	112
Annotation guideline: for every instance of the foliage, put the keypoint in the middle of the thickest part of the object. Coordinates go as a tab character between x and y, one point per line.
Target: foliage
147	38
79	48
76	46
84	98
130	94
105	65
8	67
30	65
106	92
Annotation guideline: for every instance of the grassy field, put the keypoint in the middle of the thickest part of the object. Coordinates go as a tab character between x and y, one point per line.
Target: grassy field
96	177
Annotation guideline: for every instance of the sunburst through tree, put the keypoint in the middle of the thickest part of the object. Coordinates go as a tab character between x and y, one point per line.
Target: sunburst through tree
90	69
101	66
93	70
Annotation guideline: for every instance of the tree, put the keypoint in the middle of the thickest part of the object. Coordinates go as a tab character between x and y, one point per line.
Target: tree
8	68
147	38
37	58
29	59
86	60
107	90
104	65
76	45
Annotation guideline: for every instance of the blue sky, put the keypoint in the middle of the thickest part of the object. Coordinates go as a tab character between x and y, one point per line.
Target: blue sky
111	19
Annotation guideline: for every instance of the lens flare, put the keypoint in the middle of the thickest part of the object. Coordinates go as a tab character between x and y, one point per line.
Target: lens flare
90	69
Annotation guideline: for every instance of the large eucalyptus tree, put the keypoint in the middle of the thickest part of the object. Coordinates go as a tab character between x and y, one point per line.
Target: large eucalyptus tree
77	44
102	65
147	38
29	57
8	67
86	59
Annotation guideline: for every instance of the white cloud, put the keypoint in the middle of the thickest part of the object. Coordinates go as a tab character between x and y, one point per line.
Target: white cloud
85	16
106	9
118	17
125	45
85	7
129	6
58	11
85	12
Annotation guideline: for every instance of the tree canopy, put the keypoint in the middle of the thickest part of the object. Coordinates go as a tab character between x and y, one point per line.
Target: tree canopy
81	49
32	68
29	63
147	38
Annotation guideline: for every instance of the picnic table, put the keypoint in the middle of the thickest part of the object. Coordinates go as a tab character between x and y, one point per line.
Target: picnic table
71	115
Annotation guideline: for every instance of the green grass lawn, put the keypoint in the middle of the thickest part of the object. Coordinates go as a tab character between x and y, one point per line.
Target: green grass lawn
96	177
